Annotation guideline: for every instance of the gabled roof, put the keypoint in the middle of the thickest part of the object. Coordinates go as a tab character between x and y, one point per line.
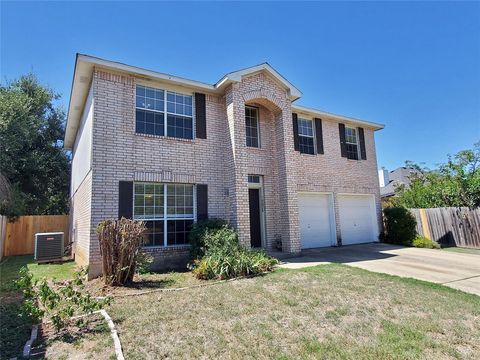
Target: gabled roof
236	76
83	73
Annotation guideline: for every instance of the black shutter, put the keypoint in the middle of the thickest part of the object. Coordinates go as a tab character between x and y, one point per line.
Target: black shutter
343	144
125	199
202	202
200	116
319	135
295	132
363	152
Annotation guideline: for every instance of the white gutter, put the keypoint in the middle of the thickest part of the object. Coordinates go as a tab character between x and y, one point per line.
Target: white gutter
320	113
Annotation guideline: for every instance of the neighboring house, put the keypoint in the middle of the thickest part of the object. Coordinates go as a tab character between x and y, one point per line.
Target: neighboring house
171	151
389	181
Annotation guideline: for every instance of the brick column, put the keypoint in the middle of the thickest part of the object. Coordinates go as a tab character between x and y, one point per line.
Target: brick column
237	165
287	182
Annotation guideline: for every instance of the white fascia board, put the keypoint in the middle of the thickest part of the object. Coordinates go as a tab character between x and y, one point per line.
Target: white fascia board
320	113
236	76
82	78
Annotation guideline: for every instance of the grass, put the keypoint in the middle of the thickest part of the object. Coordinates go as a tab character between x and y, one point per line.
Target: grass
462	250
90	341
15	328
330	311
146	282
10	267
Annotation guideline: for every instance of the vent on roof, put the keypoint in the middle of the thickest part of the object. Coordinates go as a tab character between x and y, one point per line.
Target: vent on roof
48	246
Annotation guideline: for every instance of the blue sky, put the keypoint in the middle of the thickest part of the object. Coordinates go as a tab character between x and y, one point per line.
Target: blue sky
412	66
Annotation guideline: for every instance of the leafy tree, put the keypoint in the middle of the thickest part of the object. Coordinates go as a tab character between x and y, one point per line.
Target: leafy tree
453	184
32	158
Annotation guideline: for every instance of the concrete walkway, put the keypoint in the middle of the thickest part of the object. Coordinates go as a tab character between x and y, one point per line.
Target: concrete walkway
457	270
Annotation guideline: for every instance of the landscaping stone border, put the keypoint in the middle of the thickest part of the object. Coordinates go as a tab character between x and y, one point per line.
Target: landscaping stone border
27	349
183	288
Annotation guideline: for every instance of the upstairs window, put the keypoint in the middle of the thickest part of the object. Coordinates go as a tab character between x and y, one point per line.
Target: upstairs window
305	136
351	141
150	117
251	126
160	112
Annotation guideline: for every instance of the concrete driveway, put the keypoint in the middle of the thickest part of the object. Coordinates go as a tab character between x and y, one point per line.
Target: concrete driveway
456	270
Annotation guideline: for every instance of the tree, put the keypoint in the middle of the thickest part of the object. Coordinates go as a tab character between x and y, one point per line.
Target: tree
453	184
32	158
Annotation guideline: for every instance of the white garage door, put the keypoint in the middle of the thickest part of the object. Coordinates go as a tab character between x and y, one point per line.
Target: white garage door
316	220
358	222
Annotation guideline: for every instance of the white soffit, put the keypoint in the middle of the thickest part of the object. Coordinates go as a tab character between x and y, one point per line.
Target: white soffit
83	73
236	76
346	119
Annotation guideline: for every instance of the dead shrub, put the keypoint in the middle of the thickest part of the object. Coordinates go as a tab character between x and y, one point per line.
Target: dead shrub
120	245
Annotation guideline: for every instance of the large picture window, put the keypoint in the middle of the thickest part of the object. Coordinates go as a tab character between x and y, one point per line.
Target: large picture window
160	112
305	136
351	141
167	209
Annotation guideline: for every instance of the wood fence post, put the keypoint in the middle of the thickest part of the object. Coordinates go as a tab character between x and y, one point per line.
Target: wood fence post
424	220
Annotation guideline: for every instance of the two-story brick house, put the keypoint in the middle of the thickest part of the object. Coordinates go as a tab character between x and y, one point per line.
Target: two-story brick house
172	151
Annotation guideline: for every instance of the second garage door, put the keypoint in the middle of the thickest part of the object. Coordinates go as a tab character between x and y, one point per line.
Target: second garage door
316	220
358	220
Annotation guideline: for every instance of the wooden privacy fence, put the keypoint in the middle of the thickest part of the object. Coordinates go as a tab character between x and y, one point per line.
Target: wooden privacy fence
450	226
20	235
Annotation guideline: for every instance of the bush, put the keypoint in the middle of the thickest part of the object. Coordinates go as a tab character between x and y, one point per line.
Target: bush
231	264
423	242
199	236
220	256
120	244
59	303
399	226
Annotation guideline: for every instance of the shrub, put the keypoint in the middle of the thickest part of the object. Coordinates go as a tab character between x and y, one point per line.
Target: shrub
120	244
423	242
399	226
143	262
59	303
231	264
199	235
224	258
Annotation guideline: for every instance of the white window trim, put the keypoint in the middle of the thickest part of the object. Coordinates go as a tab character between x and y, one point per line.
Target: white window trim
357	143
165	217
258	128
165	112
308	136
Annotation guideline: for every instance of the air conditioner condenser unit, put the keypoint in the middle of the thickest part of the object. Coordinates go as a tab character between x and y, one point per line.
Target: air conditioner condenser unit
49	246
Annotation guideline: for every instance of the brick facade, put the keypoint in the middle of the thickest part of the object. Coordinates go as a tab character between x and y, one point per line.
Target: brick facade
222	161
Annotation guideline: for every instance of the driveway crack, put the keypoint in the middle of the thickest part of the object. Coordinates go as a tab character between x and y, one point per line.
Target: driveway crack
467	278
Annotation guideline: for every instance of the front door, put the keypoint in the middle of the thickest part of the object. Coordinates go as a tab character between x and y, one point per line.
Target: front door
255	223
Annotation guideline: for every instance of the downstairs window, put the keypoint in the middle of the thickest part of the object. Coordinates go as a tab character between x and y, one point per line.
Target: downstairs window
168	211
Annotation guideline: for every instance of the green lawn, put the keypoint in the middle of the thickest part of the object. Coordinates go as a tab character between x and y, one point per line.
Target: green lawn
463	250
15	328
329	311
10	267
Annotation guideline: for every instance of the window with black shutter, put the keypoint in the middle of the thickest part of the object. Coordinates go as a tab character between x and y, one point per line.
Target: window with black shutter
167	209
352	142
